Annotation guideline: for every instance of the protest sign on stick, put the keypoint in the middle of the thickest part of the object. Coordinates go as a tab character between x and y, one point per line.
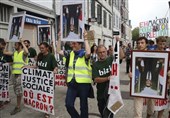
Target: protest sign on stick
115	102
60	76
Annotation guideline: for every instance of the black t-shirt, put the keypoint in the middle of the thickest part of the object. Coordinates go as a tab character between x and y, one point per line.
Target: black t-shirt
48	62
5	58
32	52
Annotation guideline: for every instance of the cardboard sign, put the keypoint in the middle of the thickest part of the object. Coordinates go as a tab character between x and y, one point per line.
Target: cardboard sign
4	82
38	89
115	99
60	76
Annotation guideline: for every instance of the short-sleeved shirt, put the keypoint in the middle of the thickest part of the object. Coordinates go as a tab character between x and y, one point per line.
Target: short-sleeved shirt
102	69
48	62
32	52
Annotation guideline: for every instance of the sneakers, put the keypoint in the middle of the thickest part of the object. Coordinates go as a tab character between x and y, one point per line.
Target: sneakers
16	110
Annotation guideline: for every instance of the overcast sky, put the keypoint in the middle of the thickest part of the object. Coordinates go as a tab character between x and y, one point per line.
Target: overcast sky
139	10
144	10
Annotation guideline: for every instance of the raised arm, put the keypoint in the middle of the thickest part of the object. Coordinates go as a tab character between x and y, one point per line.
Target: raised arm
87	46
24	47
59	51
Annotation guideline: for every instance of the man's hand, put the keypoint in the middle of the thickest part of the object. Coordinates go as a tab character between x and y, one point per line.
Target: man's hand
85	35
130	75
21	40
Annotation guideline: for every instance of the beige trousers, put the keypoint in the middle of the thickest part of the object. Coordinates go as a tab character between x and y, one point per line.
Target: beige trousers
138	107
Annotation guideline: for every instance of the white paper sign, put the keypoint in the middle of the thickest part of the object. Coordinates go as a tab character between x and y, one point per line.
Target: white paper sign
38	89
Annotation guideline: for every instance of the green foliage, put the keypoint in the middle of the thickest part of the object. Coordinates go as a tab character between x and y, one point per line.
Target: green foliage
135	33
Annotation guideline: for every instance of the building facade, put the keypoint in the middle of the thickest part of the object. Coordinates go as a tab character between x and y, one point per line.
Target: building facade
126	34
35	15
103	16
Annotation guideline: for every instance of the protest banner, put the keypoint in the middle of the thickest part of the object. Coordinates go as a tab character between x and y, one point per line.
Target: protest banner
4	82
154	28
160	104
60	76
38	89
115	99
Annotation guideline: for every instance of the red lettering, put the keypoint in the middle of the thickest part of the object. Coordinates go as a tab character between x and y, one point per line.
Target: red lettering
161	102
60	83
44	98
114	69
25	93
38	96
41	106
36	104
49	99
60	77
4	94
33	104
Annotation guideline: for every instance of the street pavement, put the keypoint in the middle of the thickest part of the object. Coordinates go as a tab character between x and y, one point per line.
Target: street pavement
60	110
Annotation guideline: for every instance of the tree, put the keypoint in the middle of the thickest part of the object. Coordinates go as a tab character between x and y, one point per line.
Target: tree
135	34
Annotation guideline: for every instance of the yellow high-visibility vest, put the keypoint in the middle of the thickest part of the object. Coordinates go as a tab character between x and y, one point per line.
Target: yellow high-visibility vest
82	71
18	62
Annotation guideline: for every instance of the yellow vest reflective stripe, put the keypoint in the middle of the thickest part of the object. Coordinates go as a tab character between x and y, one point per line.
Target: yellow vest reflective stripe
18	62
83	72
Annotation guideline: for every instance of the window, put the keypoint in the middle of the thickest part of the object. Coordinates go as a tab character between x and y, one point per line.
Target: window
104	18
110	22
4	13
99	41
93	9
99	14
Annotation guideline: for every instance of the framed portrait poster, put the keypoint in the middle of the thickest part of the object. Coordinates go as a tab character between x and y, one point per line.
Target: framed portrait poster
44	33
72	21
16	26
149	74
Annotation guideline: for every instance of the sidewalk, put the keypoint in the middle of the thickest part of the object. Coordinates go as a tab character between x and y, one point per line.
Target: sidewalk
60	110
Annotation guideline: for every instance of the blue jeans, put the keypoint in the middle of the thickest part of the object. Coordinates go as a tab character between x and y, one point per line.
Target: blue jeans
77	90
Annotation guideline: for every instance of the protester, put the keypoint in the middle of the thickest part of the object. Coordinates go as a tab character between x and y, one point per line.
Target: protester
161	43
4	59
93	55
79	77
128	57
46	61
20	59
101	74
138	102
110	51
32	51
151	45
